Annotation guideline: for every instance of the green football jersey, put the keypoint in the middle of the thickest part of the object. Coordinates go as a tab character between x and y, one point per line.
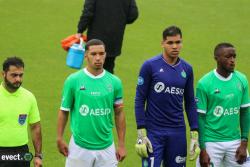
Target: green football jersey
221	99
91	101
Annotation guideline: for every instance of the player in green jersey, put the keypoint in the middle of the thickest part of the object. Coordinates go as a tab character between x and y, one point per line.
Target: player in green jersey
18	110
224	116
92	97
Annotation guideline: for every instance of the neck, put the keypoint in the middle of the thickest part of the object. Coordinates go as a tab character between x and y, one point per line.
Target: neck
223	73
95	72
8	88
170	60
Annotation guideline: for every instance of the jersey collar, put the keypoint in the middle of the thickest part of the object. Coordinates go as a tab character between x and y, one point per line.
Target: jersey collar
176	64
93	76
220	77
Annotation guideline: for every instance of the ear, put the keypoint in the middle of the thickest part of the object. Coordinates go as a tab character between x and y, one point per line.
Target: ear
216	58
3	73
86	54
162	43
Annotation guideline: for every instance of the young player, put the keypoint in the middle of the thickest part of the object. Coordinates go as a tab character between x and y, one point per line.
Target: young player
163	82
224	117
93	97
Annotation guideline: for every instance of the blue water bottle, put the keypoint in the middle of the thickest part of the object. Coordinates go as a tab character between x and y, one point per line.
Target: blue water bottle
75	55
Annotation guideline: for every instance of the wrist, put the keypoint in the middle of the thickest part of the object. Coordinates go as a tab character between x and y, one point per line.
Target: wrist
194	134
203	152
59	139
243	143
121	144
141	133
39	155
245	139
202	145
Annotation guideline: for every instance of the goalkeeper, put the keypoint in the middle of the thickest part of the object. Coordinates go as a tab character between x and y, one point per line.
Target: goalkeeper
163	82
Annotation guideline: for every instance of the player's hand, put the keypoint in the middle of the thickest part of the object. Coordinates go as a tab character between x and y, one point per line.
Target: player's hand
204	158
78	35
62	147
194	150
37	162
241	153
121	153
143	145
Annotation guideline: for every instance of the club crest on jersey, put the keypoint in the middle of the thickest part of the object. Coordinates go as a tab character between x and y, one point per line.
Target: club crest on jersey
161	70
109	87
140	81
183	74
22	118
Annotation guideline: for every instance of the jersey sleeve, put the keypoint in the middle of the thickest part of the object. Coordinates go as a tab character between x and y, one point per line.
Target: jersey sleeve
87	15
245	102
201	98
67	96
34	115
201	103
245	111
190	106
142	89
118	97
132	14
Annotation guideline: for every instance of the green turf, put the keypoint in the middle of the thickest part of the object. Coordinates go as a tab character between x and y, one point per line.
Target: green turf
32	29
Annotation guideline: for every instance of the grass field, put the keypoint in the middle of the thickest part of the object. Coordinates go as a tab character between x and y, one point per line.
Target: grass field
32	29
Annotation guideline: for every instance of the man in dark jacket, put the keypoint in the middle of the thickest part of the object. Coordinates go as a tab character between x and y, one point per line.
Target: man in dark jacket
106	20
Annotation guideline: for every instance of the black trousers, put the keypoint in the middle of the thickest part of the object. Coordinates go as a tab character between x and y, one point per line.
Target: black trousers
109	64
13	151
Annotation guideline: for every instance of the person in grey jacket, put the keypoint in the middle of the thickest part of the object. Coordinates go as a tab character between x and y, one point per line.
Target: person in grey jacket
106	20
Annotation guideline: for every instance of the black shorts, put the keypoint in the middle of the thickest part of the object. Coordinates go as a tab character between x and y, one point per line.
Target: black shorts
13	156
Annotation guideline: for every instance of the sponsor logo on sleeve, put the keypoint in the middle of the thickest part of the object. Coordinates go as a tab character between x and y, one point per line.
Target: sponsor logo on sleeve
140	81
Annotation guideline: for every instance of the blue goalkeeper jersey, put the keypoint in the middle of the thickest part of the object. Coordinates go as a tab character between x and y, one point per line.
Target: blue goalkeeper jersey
160	91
